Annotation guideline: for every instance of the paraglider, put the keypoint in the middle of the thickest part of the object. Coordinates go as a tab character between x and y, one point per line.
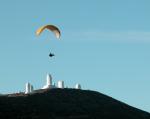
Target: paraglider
52	28
51	55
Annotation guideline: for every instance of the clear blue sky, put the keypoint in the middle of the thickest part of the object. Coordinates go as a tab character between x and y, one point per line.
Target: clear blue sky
105	46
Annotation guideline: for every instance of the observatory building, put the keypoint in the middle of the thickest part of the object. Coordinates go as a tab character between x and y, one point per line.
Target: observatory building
77	86
60	84
49	85
29	88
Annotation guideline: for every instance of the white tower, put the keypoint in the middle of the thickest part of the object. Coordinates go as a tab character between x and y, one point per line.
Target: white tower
77	86
49	80
60	84
27	88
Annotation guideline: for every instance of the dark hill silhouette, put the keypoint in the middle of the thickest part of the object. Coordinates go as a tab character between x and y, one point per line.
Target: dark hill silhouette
66	104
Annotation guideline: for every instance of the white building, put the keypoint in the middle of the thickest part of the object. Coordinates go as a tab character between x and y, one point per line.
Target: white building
77	86
60	84
27	88
49	83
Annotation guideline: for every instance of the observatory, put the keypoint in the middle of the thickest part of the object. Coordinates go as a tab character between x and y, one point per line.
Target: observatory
60	84
29	88
77	86
49	85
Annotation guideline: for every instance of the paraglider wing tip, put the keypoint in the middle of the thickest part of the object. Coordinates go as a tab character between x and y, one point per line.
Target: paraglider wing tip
58	37
37	32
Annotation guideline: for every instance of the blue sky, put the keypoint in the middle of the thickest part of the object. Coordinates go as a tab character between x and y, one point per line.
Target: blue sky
105	46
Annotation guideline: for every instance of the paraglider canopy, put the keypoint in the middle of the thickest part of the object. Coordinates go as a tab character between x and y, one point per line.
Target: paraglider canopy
52	28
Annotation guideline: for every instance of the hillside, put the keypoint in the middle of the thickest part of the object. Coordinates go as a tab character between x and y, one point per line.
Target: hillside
66	104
